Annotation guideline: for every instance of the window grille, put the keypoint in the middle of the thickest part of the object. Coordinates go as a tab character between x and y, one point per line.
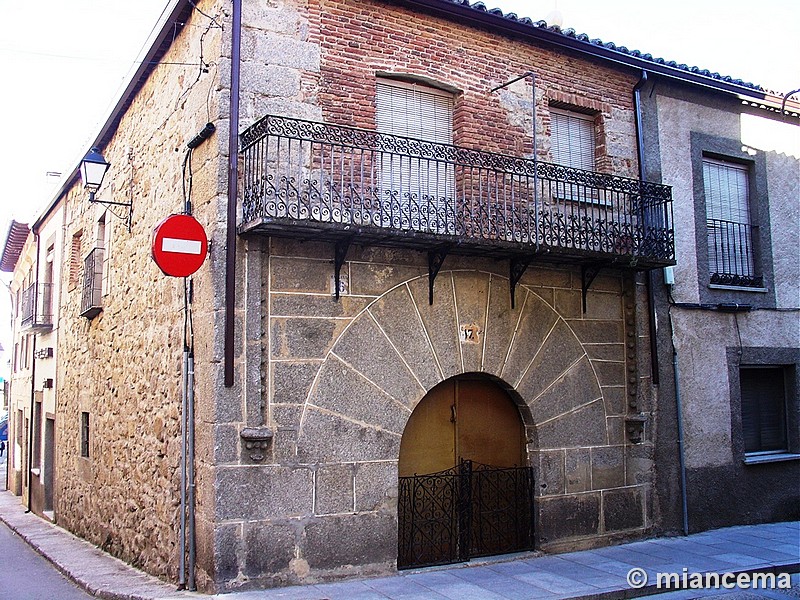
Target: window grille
730	235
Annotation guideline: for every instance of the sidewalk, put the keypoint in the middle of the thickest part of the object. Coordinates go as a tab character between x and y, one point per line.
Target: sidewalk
592	574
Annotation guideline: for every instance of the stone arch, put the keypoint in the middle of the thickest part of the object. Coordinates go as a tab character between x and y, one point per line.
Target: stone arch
400	347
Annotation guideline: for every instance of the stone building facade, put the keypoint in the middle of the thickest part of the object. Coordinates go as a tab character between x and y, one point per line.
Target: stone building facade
352	332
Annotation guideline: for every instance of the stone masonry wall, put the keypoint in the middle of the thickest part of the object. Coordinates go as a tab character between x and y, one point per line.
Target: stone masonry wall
123	366
341	379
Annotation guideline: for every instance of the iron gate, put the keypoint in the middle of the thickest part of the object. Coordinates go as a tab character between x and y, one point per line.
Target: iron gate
468	511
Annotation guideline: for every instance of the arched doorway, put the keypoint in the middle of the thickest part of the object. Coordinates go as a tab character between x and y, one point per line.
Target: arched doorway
464	488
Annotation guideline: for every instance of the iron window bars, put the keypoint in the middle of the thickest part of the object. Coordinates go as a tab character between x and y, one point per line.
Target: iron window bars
37	306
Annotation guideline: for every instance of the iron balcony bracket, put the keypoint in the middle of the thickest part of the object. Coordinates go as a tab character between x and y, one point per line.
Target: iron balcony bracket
588	273
340	253
517	269
435	260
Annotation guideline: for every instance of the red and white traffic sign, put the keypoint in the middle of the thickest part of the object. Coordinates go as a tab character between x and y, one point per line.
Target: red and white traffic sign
179	245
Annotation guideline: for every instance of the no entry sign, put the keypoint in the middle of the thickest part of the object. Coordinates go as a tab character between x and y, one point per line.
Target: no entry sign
179	245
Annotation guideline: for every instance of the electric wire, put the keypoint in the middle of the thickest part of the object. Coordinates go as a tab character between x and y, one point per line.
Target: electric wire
186	180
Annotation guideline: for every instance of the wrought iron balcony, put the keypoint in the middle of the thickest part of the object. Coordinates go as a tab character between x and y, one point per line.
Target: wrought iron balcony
92	292
304	178
37	307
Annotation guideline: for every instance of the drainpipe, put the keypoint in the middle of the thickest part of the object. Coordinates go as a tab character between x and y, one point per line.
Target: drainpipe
190	476
651	322
182	535
652	316
679	420
233	190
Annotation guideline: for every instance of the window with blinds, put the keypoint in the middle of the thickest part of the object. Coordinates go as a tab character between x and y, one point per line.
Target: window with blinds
75	260
573	139
763	409
730	239
417	187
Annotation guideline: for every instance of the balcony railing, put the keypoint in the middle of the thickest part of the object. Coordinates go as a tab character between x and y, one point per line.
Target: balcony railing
303	177
37	306
730	254
92	292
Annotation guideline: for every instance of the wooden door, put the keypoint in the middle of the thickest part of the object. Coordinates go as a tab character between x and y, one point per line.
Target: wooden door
462	419
464	489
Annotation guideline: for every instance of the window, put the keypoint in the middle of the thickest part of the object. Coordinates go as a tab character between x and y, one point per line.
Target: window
763	409
572	143
417	182
46	310
19	430
36	444
730	236
104	243
85	434
95	272
75	260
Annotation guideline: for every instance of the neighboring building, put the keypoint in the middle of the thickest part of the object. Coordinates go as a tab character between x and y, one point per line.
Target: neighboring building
34	257
414	288
732	316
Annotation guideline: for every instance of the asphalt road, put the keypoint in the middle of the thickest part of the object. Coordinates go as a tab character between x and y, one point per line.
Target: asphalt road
24	575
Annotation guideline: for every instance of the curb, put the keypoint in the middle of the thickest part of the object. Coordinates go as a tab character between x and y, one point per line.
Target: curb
83	563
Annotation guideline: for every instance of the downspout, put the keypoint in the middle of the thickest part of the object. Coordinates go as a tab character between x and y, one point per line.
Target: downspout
233	191
182	535
679	421
652	317
190	477
651	322
33	377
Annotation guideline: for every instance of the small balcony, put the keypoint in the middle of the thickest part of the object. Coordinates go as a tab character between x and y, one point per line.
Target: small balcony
92	291
37	307
325	182
730	254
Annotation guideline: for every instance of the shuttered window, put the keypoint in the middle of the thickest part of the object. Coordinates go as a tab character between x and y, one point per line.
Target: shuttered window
573	141
763	409
417	185
75	260
730	240
414	111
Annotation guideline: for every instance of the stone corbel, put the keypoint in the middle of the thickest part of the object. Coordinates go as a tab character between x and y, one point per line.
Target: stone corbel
256	440
634	427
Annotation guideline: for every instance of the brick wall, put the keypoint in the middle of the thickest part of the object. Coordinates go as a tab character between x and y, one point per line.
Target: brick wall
361	39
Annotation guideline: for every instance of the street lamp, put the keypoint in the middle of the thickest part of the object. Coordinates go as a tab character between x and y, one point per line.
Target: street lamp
93	169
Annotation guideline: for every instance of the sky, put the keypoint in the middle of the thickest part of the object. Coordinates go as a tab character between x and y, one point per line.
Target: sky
64	62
